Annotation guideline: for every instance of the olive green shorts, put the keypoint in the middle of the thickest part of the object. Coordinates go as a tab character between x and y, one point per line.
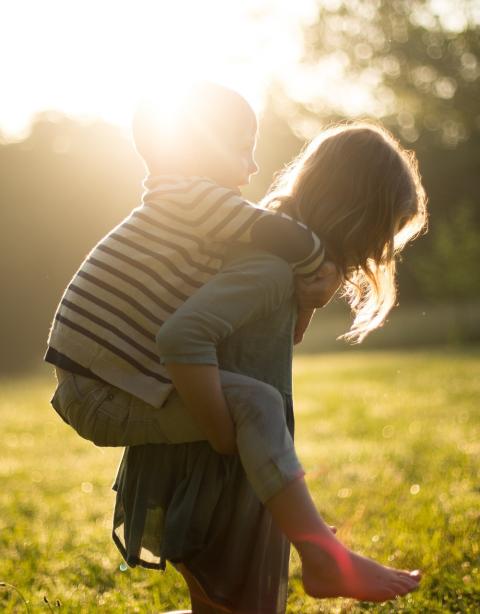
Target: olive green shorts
109	416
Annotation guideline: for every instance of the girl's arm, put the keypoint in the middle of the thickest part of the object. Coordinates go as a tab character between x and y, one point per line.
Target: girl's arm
217	214
317	293
200	389
248	288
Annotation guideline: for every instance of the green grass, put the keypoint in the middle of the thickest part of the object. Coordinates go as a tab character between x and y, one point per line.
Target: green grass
409	326
391	445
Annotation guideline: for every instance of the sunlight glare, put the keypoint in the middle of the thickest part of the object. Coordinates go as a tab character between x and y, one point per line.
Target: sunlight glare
99	59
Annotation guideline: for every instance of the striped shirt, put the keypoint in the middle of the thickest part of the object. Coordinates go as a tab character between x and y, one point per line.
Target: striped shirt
150	264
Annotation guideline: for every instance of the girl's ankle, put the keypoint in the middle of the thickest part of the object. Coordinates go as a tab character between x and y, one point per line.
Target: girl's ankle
322	550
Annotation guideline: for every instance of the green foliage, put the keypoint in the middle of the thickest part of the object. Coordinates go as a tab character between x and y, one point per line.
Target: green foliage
422	61
67	183
390	445
452	271
62	188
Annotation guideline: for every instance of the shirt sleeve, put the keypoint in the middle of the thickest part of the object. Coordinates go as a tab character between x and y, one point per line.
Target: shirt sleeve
218	214
245	290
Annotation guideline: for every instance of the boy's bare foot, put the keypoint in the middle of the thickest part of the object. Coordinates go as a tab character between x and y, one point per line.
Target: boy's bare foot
331	570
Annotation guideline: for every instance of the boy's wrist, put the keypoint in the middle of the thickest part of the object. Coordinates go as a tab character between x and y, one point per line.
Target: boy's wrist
319	292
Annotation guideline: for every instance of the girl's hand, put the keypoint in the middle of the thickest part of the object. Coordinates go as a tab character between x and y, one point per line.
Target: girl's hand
316	293
200	389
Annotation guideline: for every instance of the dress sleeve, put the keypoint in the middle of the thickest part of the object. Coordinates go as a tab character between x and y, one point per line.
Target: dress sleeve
247	289
215	213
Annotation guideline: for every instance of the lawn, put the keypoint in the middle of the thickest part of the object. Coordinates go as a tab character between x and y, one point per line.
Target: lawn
391	445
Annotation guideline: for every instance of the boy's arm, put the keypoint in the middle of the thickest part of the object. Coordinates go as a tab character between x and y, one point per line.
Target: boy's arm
247	289
218	214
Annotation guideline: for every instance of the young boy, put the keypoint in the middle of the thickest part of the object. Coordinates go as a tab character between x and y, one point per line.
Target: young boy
104	338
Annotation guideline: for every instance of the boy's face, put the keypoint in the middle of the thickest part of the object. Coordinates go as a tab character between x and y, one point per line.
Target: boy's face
238	163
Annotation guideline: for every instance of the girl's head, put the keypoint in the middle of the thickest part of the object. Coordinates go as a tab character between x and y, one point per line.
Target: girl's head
360	191
210	132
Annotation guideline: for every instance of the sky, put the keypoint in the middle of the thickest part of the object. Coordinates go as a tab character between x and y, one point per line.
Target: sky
99	58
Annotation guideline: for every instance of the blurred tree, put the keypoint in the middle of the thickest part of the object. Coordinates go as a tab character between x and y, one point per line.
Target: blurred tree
422	66
61	189
277	144
67	183
419	61
456	253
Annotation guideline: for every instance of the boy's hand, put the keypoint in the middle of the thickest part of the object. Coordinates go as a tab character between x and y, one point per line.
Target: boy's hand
320	291
316	293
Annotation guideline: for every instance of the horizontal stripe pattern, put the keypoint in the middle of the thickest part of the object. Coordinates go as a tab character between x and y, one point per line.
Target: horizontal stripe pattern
121	295
113	331
142	271
113	310
169	245
188	238
133	245
131	281
115	351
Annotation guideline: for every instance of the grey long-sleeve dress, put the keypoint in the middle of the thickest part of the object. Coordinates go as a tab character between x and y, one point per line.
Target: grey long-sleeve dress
186	503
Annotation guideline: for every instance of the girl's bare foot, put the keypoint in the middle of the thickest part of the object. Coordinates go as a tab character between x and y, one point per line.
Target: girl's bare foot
331	570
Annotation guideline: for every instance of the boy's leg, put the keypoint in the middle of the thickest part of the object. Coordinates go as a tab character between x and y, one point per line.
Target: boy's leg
264	443
78	400
108	416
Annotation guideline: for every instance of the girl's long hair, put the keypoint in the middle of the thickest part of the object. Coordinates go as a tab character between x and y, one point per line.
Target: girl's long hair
360	191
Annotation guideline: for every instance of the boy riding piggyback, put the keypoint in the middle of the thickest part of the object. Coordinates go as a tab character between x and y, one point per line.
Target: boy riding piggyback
104	338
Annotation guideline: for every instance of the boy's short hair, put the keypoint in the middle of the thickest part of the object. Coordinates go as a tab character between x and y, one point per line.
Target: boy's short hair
190	140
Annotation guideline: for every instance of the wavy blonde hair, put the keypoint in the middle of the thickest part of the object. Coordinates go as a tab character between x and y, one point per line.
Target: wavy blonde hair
361	192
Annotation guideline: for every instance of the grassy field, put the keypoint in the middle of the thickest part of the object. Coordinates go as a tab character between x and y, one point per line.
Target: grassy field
391	445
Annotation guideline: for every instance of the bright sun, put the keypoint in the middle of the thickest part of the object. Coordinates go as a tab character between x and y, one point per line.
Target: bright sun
99	58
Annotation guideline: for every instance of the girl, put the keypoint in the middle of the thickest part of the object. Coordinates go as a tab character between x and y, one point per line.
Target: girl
361	192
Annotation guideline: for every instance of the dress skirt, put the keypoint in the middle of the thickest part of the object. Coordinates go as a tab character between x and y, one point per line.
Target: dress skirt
186	503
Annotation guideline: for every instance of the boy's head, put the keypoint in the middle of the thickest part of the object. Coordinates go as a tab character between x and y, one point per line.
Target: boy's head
211	132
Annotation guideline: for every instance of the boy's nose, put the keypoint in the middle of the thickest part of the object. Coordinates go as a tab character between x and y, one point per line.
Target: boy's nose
253	167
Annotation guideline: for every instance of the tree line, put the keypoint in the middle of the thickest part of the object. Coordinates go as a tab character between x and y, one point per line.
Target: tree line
67	183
